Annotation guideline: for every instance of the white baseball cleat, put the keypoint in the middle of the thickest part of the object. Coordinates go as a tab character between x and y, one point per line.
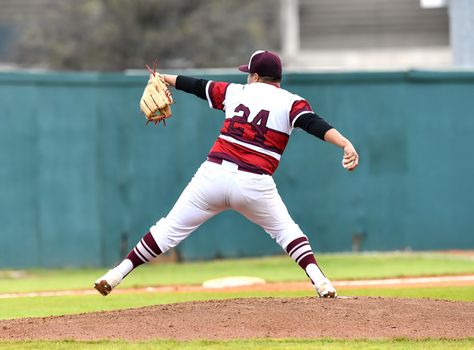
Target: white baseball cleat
325	289
107	282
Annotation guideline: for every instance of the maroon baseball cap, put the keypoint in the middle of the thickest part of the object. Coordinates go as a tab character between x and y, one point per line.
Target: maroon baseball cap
264	63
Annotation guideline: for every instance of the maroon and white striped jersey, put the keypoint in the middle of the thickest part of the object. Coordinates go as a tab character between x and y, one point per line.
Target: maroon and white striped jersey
259	119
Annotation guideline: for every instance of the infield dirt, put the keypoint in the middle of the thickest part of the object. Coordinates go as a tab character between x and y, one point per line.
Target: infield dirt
342	318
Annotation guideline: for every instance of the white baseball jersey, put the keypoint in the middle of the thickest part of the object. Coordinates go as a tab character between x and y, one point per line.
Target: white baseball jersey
259	119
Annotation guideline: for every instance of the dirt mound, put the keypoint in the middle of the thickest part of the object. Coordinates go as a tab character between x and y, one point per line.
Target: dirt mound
348	318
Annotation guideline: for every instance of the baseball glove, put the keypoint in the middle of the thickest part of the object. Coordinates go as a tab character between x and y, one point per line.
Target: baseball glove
157	99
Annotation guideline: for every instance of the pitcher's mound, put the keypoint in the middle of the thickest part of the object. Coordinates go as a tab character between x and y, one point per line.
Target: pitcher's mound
349	318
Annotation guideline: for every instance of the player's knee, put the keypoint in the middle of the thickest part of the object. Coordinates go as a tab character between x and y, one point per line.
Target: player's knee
167	234
160	232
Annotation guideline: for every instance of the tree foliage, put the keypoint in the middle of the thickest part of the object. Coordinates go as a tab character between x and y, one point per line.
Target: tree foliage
110	35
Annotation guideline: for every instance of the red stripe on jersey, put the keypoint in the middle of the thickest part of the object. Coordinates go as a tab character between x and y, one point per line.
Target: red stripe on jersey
272	140
243	156
297	108
216	91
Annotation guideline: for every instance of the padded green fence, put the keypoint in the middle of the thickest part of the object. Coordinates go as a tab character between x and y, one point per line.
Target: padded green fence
82	178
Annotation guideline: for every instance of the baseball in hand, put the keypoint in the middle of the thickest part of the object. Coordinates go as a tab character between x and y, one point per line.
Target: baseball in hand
349	161
348	165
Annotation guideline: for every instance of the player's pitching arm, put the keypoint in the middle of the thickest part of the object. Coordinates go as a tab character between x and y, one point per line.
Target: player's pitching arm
350	159
317	126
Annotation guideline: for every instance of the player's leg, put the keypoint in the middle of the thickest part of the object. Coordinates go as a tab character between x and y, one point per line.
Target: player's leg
259	201
145	250
301	252
199	201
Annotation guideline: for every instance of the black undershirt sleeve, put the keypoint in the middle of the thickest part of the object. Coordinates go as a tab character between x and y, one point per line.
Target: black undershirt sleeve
313	124
192	85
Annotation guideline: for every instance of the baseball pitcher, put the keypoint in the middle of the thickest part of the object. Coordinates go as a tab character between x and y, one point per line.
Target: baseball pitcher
237	174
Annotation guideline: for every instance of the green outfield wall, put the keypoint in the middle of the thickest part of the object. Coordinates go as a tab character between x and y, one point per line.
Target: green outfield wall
82	178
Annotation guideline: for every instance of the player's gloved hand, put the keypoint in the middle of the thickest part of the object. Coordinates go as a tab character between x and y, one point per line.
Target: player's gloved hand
157	99
350	160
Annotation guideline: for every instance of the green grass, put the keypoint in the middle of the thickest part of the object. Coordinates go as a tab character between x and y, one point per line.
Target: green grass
39	306
257	344
272	269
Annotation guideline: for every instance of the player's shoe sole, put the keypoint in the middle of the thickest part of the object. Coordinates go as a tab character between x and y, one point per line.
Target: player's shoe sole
103	287
107	282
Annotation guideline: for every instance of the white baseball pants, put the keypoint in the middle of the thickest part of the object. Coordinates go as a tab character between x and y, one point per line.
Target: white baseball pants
218	187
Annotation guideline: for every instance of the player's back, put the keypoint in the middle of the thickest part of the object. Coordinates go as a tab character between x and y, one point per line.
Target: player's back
258	122
259	97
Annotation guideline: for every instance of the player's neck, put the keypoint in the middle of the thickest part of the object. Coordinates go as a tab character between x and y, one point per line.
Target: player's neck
269	83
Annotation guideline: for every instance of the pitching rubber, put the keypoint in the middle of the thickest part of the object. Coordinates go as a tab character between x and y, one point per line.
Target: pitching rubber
103	287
